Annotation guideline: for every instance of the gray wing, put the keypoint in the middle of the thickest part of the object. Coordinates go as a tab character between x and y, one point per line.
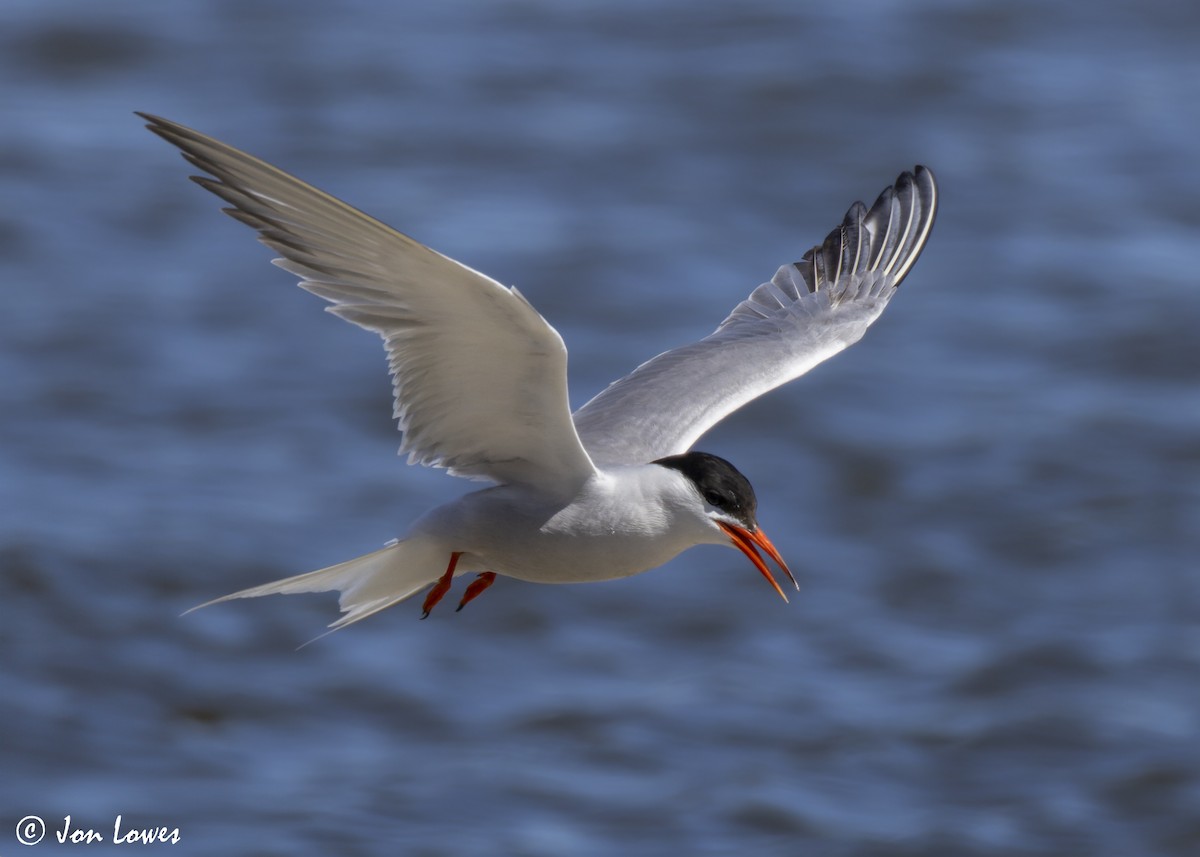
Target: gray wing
480	378
808	312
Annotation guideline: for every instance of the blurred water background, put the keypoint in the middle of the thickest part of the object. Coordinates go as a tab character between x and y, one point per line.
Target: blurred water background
993	502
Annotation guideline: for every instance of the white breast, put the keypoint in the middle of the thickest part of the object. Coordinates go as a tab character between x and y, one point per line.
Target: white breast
623	521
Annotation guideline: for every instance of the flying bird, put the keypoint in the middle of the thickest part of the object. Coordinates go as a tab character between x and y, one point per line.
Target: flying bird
480	383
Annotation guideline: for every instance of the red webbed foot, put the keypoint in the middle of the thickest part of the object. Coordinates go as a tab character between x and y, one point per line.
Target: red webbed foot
476	588
442	586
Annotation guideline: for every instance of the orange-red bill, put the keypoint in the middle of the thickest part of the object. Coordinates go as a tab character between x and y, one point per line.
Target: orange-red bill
746	541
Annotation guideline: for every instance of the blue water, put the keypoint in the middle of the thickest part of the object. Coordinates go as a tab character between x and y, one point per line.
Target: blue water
993	501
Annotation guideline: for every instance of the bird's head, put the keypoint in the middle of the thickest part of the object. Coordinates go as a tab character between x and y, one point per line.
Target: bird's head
729	505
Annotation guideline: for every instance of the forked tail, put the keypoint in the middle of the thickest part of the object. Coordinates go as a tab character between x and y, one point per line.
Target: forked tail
367	584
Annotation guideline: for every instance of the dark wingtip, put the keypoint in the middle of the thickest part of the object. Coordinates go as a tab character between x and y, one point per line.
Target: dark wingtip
152	122
908	205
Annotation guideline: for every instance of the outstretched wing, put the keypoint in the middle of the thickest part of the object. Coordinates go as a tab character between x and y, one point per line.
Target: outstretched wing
480	378
807	313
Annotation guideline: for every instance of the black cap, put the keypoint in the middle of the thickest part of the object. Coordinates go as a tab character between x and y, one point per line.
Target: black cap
719	483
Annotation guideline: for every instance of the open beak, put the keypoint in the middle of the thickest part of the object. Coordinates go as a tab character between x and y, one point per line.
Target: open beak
746	541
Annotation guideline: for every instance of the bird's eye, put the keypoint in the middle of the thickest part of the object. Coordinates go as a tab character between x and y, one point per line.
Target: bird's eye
712	498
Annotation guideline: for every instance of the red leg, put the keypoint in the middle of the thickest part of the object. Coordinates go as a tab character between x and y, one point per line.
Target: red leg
476	588
441	587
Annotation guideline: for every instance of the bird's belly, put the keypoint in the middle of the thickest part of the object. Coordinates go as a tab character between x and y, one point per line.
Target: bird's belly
570	544
578	558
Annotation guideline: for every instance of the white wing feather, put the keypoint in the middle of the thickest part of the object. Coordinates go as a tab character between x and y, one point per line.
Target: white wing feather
480	378
808	312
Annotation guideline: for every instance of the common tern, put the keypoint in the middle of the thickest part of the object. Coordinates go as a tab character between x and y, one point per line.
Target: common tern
480	383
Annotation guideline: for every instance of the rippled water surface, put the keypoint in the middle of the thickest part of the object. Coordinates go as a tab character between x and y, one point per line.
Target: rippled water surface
993	501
